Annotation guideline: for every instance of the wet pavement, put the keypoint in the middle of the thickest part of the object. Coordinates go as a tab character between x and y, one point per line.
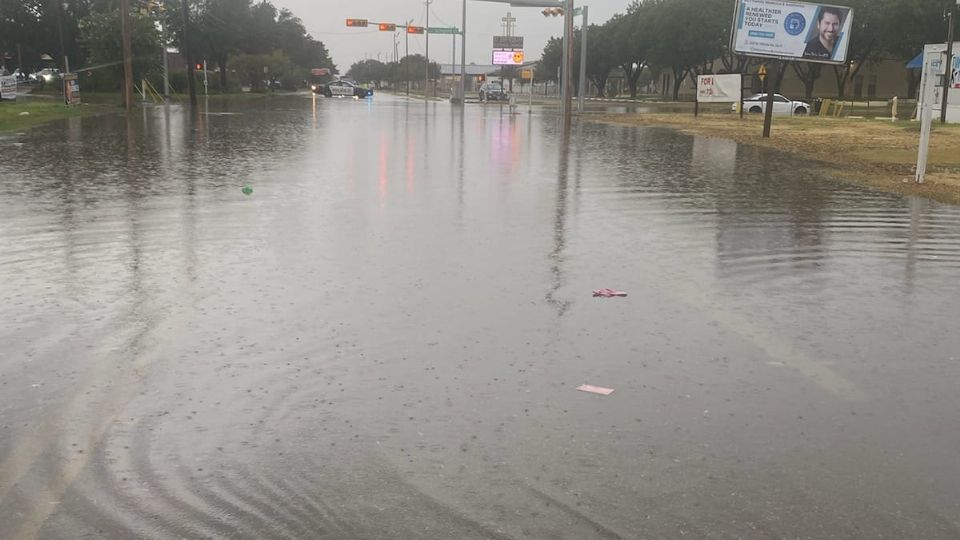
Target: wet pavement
384	338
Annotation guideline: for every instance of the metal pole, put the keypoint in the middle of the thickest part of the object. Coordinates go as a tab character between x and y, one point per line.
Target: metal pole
406	55
453	65
583	61
562	69
463	55
568	66
426	75
166	72
768	113
948	78
127	55
205	85
187	53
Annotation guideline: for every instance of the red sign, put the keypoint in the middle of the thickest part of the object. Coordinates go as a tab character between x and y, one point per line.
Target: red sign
319	72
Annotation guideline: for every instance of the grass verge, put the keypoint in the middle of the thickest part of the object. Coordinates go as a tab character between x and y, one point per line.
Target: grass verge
875	153
12	117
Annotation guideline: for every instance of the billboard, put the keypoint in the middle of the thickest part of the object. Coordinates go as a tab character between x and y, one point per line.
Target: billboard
507	58
719	88
792	30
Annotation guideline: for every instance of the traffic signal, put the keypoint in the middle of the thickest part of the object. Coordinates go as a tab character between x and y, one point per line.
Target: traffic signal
481	77
415	30
387	27
362	23
552	12
198	67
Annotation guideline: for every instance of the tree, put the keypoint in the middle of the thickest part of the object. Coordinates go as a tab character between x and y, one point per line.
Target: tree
550	60
224	25
369	71
687	36
100	37
631	42
601	55
808	73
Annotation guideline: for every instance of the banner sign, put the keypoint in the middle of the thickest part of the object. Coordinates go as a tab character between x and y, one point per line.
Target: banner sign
8	87
719	88
71	89
792	30
507	58
507	42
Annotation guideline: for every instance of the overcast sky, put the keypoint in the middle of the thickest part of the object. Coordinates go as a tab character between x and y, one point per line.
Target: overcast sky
325	20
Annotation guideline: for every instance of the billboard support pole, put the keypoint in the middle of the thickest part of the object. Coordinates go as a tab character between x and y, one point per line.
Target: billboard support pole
768	112
741	95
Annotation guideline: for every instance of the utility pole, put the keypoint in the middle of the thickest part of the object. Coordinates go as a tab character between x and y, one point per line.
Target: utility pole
583	61
185	48
63	52
166	72
127	55
948	77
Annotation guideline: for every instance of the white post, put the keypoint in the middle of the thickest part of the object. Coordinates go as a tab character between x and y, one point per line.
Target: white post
926	115
204	77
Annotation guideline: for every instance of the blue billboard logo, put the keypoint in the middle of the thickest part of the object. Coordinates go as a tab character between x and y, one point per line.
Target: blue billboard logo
795	23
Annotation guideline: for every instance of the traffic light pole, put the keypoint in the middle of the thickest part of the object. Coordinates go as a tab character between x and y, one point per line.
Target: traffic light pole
463	56
582	87
127	55
567	62
426	75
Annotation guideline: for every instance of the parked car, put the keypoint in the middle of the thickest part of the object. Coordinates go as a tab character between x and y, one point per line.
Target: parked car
493	91
757	104
46	75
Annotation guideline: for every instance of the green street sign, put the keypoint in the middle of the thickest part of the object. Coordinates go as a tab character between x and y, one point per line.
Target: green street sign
577	11
433	30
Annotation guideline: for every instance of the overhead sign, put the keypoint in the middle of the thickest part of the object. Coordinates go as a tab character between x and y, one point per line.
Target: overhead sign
319	72
792	30
507	58
435	30
719	88
507	42
8	87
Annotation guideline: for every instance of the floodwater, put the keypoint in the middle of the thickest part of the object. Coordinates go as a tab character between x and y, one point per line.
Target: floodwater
384	338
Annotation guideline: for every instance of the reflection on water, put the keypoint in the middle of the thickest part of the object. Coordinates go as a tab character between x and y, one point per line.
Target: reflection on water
382	339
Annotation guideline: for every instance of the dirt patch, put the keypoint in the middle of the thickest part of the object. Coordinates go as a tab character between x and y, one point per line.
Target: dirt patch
876	153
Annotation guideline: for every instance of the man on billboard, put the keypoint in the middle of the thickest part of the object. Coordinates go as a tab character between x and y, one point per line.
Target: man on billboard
829	23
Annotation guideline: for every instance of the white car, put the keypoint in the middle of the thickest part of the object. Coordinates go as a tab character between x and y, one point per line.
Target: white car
757	104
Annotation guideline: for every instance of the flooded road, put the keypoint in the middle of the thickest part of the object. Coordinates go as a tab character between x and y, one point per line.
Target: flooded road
384	338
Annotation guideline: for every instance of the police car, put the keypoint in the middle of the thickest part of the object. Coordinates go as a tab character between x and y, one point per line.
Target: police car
342	88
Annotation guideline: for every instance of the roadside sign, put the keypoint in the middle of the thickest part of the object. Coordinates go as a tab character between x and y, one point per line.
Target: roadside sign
719	88
792	30
441	30
507	58
319	72
526	73
762	73
71	89
8	87
507	42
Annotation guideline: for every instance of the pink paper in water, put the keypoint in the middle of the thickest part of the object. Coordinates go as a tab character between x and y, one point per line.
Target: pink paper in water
595	389
608	293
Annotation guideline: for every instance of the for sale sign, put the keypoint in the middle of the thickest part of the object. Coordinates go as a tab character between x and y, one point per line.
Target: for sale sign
719	88
8	87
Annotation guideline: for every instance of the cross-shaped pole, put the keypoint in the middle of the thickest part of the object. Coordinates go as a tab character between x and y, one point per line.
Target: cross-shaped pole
508	24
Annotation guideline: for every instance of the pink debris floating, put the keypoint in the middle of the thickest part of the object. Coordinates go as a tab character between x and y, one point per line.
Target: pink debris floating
595	389
608	293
